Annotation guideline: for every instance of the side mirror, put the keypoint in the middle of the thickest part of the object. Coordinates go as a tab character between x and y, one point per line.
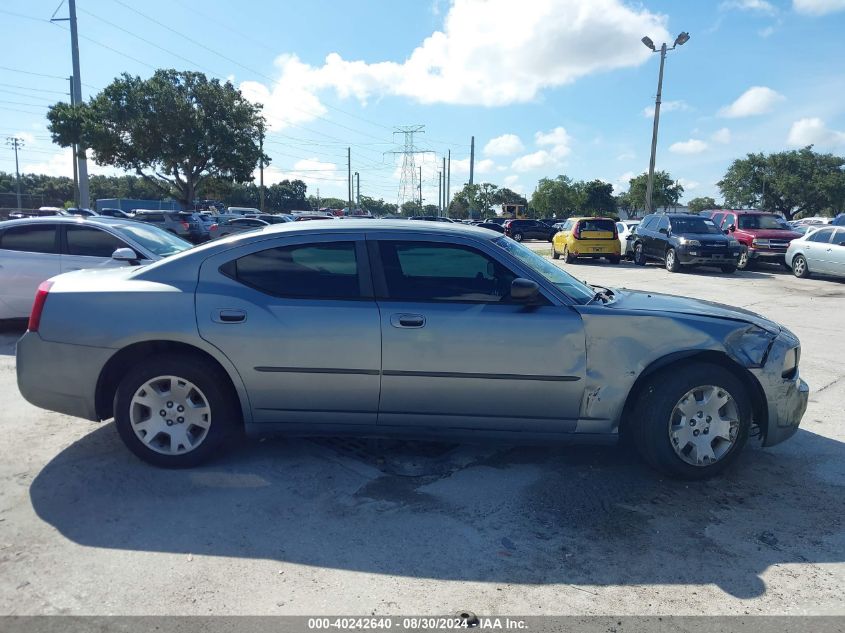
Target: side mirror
731	228
664	231
629	237
125	255
524	290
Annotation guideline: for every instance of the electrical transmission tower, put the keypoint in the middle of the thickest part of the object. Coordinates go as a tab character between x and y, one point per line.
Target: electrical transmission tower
408	184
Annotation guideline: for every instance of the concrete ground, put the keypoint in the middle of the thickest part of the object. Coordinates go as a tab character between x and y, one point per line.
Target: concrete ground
339	527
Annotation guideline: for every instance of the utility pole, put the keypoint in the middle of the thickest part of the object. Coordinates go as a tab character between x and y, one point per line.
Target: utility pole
679	41
73	149
17	143
261	172
448	181
439	193
349	177
357	190
420	188
81	161
443	187
471	159
408	182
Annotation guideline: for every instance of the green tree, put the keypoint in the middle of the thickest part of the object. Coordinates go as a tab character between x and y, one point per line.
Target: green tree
175	130
666	193
411	208
700	204
796	182
557	197
598	198
506	196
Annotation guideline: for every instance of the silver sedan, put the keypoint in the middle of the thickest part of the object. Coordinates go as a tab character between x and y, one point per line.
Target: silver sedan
821	251
420	329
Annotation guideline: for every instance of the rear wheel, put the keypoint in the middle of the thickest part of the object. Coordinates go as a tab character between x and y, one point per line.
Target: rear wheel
518	237
639	255
614	259
799	267
672	263
691	422
567	256
555	254
176	411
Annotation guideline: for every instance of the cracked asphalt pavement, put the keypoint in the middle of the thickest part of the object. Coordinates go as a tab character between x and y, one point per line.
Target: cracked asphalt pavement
393	528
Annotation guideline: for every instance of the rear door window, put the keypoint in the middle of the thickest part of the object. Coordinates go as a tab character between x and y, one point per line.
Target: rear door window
86	241
663	223
312	271
30	238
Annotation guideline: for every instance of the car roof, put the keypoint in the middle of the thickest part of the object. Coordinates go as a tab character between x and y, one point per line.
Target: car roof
65	219
591	217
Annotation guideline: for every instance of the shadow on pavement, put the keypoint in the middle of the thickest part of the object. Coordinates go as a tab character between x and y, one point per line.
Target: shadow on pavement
579	515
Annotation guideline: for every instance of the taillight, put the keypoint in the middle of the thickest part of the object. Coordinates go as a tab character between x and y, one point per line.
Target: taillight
576	232
38	306
213	227
185	225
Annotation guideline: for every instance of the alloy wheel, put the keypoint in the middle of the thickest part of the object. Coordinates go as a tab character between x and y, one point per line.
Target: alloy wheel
704	425
170	415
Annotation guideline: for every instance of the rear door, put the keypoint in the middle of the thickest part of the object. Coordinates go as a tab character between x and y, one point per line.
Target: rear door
29	254
296	316
837	253
89	247
458	353
656	243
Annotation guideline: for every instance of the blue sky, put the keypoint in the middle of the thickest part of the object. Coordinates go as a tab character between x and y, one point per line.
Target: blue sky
547	87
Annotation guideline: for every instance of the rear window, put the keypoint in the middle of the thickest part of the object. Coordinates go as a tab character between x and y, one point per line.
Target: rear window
30	238
596	225
769	222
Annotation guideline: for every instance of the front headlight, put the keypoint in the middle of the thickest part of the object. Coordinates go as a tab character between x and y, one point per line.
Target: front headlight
790	362
759	242
687	242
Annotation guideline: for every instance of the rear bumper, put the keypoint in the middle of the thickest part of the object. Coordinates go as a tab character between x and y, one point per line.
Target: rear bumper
596	248
58	376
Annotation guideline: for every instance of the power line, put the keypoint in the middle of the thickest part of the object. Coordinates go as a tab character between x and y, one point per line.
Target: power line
106	46
27	72
58	92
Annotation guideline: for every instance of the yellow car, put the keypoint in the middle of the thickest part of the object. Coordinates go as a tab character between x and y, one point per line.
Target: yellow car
587	237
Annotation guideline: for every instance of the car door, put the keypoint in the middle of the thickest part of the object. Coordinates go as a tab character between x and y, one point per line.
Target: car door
89	247
296	316
29	254
837	253
656	244
817	251
458	354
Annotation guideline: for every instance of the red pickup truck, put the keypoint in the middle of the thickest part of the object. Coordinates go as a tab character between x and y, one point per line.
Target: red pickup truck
764	235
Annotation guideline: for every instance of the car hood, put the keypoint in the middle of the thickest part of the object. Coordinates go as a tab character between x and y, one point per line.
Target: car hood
771	234
655	302
705	238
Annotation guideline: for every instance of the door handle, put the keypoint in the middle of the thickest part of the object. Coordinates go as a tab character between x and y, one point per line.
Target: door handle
229	316
407	320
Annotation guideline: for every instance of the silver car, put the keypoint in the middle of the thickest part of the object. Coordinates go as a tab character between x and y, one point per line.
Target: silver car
235	225
416	329
820	251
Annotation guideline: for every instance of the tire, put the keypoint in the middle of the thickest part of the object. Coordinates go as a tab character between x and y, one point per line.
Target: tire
728	270
209	386
799	267
518	237
672	263
567	257
615	260
555	254
658	424
786	265
639	255
744	262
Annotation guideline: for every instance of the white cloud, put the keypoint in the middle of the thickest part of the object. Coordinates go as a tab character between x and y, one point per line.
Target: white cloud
537	160
558	139
818	7
61	164
689	185
722	136
813	131
626	155
548	43
755	100
760	6
766	32
692	146
511	180
667	106
461	166
504	145
623	182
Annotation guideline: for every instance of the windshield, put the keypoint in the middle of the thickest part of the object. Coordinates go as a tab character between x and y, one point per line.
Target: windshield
575	289
154	239
770	222
694	225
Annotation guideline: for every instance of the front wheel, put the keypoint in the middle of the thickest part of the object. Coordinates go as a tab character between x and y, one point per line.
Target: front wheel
799	267
672	263
176	411
728	270
744	260
691	422
639	255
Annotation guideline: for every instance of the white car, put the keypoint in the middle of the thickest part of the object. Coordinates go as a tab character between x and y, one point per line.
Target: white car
820	251
35	249
626	228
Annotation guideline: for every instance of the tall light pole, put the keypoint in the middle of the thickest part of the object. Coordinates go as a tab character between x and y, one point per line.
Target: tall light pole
682	39
17	143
